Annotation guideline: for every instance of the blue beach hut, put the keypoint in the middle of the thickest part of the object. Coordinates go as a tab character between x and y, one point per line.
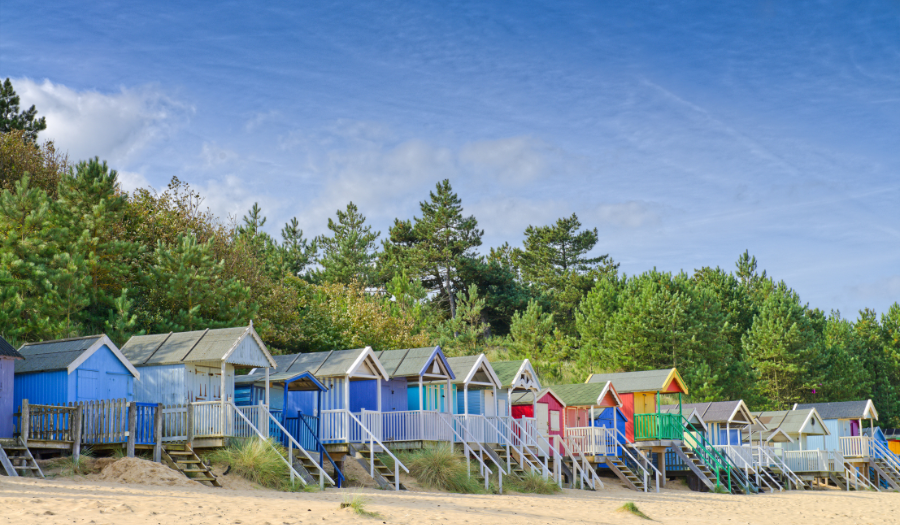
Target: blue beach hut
8	357
72	370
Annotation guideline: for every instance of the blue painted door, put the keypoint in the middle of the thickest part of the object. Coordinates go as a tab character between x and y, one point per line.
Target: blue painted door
116	386
87	385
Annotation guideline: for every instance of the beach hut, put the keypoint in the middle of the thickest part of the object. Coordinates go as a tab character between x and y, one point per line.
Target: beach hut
724	421
845	421
893	438
194	367
515	377
548	412
72	370
347	376
582	404
640	393
476	385
419	380
800	425
8	356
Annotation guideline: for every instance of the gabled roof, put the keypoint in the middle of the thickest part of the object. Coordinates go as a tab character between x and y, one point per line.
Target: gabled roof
360	363
527	398
308	380
517	375
793	421
665	381
66	354
210	345
863	409
879	434
413	362
769	436
7	350
474	370
588	394
733	412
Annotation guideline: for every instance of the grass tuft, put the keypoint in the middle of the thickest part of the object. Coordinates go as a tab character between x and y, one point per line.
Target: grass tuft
632	508
357	503
531	483
256	460
721	489
68	466
443	468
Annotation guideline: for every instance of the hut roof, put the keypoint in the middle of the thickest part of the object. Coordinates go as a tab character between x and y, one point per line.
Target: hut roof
66	354
413	362
665	381
475	369
194	347
360	362
588	394
792	422
527	398
8	350
735	412
310	382
863	409
516	374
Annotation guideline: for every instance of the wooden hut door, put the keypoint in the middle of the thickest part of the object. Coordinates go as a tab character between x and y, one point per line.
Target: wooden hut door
543	418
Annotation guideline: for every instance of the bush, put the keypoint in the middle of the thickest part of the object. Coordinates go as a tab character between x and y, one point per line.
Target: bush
441	467
258	461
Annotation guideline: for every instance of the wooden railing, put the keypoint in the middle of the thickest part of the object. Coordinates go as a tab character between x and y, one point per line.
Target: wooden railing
208	420
104	422
855	447
658	426
47	422
174	423
593	441
814	460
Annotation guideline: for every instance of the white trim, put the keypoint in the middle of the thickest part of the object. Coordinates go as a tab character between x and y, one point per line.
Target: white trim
262	346
482	361
609	388
870	404
746	410
518	377
699	419
103	340
434	358
367	351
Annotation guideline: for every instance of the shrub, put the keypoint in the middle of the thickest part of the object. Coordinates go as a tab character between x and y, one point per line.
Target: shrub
441	467
531	483
258	461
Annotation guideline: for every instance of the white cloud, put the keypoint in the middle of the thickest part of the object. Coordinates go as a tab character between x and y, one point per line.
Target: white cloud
628	215
215	156
229	198
130	181
114	126
515	159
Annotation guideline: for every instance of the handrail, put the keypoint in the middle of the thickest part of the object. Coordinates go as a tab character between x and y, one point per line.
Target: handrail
374	439
645	473
487	421
321	447
522	446
747	466
258	433
536	435
587	467
508	436
887	455
710	457
295	442
785	469
575	464
486	471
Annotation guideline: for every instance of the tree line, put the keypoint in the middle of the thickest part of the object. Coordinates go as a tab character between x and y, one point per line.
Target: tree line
79	256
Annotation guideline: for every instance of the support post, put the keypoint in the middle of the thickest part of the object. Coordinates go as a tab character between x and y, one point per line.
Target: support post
222	400
263	420
76	431
25	422
421	408
267	387
448	397
661	466
132	429
190	424
157	433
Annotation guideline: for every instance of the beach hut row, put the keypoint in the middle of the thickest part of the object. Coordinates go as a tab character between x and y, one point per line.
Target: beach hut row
175	393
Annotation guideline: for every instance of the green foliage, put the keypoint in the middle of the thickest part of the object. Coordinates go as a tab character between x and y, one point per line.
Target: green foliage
530	483
463	334
632	508
348	255
441	467
42	163
433	247
13	119
258	461
357	503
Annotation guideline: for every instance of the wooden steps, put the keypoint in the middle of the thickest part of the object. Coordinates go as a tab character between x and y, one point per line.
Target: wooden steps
697	466
621	470
183	459
887	472
17	460
383	475
304	467
514	467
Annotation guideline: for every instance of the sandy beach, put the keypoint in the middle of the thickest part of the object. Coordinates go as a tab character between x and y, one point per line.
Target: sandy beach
77	500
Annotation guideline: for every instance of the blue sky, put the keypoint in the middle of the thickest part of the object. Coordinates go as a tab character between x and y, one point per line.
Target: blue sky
686	132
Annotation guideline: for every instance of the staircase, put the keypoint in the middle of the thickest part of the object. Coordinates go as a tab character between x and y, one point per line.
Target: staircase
514	467
777	474
628	476
16	457
383	475
887	472
697	466
304	466
183	459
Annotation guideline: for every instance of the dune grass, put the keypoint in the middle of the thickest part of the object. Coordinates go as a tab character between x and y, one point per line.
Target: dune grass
531	483
632	508
357	503
68	466
257	461
440	467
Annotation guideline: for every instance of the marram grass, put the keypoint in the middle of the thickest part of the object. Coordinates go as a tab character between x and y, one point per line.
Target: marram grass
632	508
257	461
357	503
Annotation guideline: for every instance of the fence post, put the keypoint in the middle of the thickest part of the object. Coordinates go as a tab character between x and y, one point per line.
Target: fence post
157	433
190	424
26	421
263	423
132	428
76	430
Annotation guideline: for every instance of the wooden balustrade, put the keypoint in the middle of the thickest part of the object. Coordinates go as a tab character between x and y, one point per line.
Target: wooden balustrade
855	446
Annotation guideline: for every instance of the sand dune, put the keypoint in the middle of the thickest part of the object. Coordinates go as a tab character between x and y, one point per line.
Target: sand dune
91	501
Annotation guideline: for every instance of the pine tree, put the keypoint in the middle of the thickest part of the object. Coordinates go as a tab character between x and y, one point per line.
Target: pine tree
434	246
348	254
191	292
462	334
13	119
296	252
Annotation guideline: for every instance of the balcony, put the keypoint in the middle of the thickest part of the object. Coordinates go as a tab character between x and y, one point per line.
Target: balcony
653	427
